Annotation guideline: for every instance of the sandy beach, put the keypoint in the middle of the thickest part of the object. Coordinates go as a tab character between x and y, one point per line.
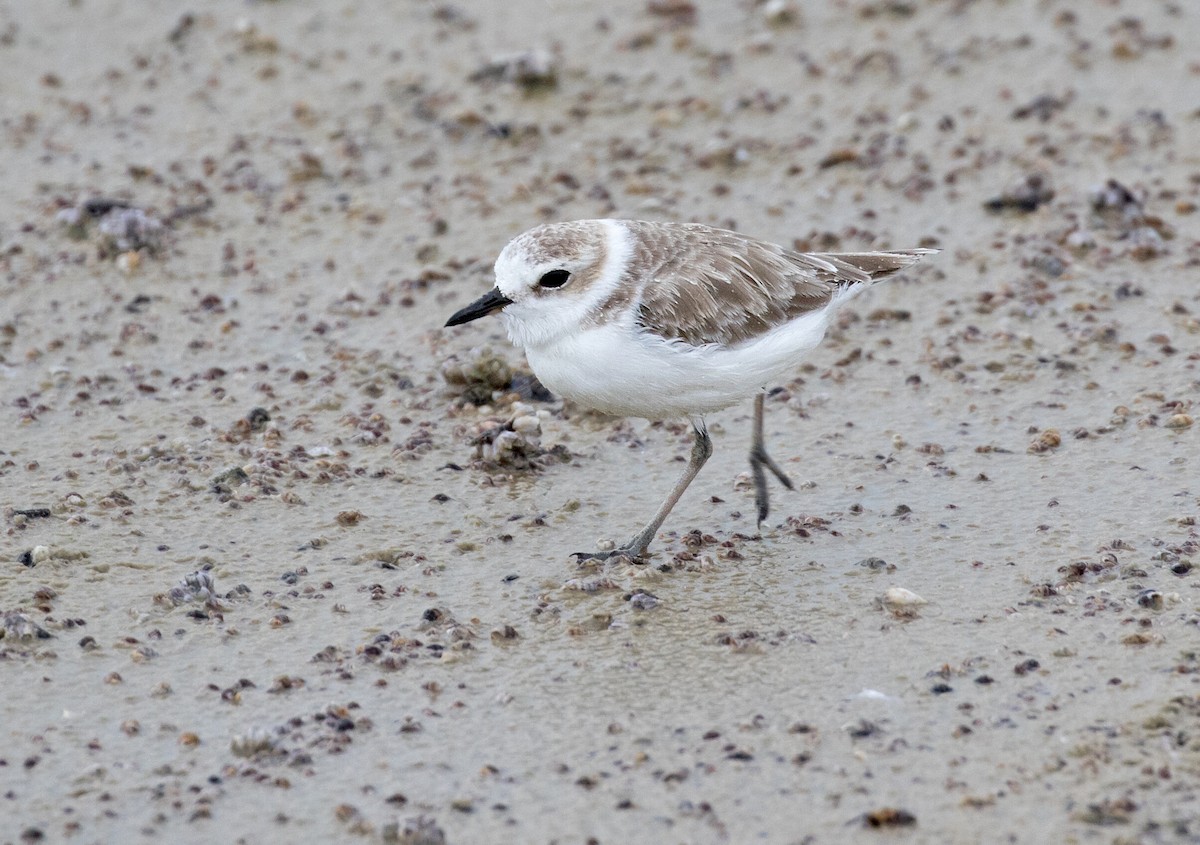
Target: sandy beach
286	561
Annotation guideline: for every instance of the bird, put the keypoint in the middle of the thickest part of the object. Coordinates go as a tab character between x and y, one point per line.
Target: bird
667	320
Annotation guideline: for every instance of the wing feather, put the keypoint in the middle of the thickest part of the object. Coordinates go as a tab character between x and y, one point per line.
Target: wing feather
705	285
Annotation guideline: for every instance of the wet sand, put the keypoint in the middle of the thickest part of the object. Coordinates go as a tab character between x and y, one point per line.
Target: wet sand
234	366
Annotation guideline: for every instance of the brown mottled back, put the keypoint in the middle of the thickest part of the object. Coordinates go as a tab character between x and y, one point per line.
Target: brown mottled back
715	286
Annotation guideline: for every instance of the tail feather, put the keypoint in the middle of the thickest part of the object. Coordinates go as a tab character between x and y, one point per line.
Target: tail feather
872	266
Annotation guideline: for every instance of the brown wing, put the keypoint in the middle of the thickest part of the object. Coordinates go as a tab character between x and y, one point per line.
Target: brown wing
715	286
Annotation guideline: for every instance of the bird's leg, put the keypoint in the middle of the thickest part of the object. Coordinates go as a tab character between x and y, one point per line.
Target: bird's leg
759	459
636	548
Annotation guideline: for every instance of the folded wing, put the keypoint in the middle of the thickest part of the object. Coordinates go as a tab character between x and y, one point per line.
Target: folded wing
714	286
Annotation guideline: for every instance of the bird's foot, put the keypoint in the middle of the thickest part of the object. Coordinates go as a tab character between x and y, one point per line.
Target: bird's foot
630	551
762	499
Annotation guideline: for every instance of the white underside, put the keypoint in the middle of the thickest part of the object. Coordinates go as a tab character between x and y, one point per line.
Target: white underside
626	372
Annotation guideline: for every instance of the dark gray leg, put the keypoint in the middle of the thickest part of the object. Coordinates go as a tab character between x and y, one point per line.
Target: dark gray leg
759	459
636	548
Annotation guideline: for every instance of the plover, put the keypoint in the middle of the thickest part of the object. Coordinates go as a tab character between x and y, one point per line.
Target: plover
665	320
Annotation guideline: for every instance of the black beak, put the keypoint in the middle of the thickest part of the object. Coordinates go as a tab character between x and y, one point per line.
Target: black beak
491	301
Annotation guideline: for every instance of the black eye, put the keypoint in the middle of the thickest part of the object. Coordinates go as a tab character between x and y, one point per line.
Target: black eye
554	279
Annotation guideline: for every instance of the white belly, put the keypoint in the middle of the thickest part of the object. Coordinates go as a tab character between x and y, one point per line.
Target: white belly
640	375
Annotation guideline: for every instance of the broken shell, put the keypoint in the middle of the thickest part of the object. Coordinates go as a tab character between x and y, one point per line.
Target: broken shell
252	742
506	634
480	372
900	597
1080	240
527	425
902	603
1024	196
416	831
129	261
1047	440
1151	599
19	626
196	586
780	12
529	69
643	601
